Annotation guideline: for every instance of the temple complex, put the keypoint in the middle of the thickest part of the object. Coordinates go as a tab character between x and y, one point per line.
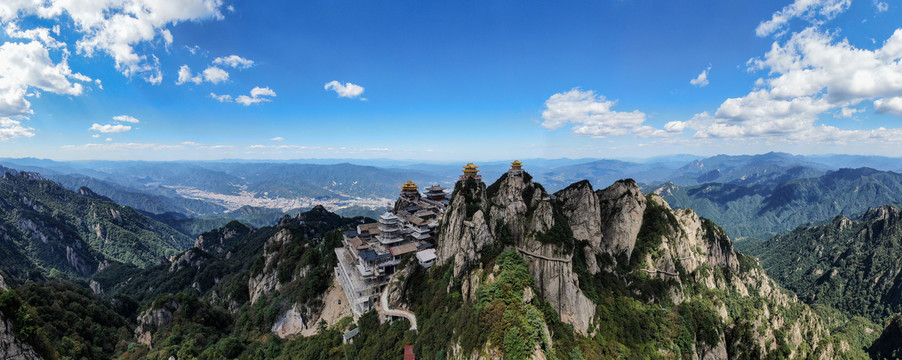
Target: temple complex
371	253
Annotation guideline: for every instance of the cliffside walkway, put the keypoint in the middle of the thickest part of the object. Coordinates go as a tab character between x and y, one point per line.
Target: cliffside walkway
410	316
660	272
525	252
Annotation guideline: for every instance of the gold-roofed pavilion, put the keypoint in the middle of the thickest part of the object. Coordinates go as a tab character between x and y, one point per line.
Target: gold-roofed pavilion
409	186
470	169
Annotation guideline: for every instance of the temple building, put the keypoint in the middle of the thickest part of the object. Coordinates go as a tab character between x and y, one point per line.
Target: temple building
516	168
471	172
409	191
436	193
370	254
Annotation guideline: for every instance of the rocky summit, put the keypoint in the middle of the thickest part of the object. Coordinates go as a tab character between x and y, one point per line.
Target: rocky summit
587	250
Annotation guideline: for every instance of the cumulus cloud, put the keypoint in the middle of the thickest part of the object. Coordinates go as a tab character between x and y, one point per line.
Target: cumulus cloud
221	98
10	128
702	79
881	5
257	96
810	74
117	27
891	105
211	74
591	115
37	34
347	90
813	11
126	118
110	128
234	61
277	138
28	65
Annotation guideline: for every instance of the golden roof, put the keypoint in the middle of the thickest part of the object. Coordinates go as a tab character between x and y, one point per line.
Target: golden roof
409	186
470	166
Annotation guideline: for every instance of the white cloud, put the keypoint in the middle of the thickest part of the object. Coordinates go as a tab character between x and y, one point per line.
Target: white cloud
347	90
702	79
215	147
234	61
215	75
10	128
257	94
811	74
126	118
221	98
122	146
190	143
813	11
591	115
37	34
109	139
117	27
109	128
277	138
881	5
891	105
847	112
28	65
211	74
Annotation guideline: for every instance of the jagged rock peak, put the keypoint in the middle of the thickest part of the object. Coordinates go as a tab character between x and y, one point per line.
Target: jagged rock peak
622	208
319	213
885	212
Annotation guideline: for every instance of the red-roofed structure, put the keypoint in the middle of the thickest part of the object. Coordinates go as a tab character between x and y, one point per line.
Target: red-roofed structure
408	353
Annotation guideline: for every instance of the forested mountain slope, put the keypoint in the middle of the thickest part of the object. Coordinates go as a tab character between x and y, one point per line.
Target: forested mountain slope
852	265
44	226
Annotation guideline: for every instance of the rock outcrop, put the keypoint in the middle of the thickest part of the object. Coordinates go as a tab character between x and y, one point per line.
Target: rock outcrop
622	207
464	230
216	241
152	319
266	281
11	347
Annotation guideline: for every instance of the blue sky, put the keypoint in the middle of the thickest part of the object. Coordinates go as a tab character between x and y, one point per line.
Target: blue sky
211	79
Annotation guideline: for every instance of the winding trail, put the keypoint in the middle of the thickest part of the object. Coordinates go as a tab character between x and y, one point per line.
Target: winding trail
544	257
410	316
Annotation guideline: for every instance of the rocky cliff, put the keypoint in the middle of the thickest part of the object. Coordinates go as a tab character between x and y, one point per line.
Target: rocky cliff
12	348
588	250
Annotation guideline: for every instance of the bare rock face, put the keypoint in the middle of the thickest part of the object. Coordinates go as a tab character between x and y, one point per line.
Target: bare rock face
12	348
462	238
194	257
216	241
3	286
622	207
579	205
267	281
292	322
152	319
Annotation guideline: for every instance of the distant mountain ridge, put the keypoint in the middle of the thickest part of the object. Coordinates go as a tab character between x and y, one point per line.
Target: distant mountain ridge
763	210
